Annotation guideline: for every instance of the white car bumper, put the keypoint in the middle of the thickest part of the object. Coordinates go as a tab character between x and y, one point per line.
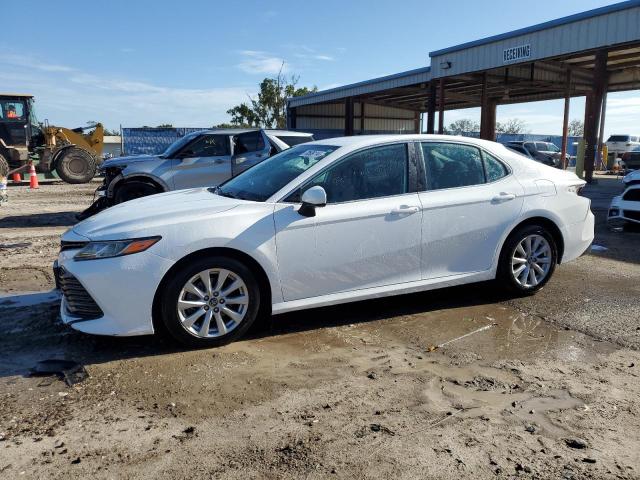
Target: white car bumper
123	288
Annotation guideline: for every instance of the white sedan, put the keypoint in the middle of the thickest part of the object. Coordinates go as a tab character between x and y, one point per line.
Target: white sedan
625	208
323	223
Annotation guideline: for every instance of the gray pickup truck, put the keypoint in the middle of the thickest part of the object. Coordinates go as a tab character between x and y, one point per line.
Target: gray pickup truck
201	159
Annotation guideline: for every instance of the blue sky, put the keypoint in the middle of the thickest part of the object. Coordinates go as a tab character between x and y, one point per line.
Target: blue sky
149	62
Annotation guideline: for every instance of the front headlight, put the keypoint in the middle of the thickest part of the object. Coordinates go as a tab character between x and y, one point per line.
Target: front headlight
115	248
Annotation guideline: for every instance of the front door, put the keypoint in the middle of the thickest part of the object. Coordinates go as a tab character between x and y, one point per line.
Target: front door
205	162
368	234
471	200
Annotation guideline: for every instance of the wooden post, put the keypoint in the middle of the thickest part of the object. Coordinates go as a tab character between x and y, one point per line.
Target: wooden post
441	112
565	121
592	115
431	108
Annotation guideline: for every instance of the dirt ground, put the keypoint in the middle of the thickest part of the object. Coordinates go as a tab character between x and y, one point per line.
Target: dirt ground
460	383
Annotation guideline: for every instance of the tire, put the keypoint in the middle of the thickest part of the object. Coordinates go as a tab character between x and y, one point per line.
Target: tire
541	241
76	166
4	167
133	189
185	322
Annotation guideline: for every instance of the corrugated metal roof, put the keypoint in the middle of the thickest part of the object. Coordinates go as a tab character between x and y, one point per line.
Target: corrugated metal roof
401	79
541	26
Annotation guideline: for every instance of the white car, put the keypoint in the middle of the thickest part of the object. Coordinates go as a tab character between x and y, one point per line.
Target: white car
626	207
620	144
322	223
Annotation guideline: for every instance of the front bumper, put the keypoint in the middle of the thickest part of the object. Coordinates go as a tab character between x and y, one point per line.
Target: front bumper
123	288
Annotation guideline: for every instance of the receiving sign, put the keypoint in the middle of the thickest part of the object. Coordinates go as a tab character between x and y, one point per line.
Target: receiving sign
514	54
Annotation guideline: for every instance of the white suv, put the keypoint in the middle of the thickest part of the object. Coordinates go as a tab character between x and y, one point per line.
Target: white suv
620	144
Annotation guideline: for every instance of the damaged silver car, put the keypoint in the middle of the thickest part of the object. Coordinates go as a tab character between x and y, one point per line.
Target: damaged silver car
200	159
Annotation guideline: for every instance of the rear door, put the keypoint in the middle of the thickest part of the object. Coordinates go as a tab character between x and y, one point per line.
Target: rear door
470	200
205	162
250	148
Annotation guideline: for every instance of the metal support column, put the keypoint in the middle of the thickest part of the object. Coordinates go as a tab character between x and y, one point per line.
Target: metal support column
362	118
431	108
592	114
416	122
348	116
487	113
565	121
441	111
292	118
603	116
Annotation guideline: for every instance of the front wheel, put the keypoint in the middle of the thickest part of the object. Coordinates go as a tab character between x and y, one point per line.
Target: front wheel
527	260
211	302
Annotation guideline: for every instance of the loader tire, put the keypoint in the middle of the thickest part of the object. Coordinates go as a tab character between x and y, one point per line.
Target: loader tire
76	166
4	167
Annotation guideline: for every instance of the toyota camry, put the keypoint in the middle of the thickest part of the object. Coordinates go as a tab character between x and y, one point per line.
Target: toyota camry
322	223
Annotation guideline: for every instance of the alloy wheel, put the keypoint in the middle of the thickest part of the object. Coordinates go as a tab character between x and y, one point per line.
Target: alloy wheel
531	260
213	303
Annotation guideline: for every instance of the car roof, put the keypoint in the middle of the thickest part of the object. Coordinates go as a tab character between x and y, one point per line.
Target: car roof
367	140
289	133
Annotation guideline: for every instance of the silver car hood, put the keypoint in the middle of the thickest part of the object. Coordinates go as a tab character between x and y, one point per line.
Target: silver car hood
149	215
129	160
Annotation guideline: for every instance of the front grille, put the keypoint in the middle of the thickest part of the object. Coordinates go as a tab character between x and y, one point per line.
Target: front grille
632	195
631	214
79	302
68	245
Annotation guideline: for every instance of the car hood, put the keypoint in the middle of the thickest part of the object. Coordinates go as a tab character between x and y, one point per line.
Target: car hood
632	177
149	215
124	161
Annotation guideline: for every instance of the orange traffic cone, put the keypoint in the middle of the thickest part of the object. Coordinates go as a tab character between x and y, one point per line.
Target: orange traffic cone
33	177
16	178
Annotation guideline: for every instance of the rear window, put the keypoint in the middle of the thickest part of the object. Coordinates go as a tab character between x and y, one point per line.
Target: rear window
292	140
618	138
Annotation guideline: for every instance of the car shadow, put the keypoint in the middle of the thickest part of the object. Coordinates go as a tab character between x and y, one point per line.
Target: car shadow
32	333
58	219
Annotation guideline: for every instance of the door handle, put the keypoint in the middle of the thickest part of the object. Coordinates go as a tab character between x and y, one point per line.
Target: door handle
405	210
504	197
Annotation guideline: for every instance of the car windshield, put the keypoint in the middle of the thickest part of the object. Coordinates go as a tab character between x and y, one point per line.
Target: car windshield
266	178
619	138
178	144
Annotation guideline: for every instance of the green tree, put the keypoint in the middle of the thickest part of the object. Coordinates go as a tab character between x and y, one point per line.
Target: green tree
512	125
464	125
576	128
268	109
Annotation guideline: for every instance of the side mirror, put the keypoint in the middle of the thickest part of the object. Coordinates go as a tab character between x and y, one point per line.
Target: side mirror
311	199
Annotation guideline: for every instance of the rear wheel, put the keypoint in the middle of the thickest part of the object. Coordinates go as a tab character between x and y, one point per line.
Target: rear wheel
4	167
76	166
527	260
210	302
133	189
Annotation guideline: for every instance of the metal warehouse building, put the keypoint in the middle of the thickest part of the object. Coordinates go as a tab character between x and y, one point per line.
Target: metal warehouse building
587	54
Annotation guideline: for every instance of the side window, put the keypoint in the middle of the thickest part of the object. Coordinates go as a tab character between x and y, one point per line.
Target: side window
249	142
530	147
450	165
373	173
494	168
209	146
